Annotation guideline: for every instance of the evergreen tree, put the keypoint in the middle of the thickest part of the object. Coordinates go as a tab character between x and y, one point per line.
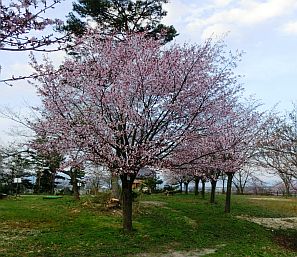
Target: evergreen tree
119	17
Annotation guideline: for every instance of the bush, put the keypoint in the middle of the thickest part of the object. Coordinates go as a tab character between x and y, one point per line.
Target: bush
168	188
4	188
135	194
102	198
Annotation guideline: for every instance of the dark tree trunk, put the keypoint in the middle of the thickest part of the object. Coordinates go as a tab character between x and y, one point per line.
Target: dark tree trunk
73	174
213	191
223	190
37	183
197	185
203	189
241	190
181	186
127	181
287	187
228	193
115	189
53	177
186	187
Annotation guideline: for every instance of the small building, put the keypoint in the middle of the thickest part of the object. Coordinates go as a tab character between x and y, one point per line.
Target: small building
144	173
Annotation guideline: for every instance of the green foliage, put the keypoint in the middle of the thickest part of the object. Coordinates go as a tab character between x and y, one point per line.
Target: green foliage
46	165
151	183
121	17
135	194
33	227
101	198
171	188
14	164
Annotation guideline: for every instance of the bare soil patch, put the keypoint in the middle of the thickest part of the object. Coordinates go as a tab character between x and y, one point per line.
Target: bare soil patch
275	223
153	203
287	241
270	199
193	253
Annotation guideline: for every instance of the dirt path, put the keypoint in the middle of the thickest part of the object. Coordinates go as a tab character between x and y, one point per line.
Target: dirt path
271	199
193	253
276	223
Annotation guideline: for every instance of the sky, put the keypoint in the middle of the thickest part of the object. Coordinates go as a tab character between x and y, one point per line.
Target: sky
265	30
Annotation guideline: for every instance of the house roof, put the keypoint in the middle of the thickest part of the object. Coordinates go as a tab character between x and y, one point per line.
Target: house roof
146	172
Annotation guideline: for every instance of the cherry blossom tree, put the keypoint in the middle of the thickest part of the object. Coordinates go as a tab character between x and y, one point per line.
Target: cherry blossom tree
243	177
242	139
131	103
20	19
24	26
277	151
224	148
119	18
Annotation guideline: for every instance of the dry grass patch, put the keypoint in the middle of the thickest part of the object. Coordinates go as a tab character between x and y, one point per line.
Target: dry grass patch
192	253
272	199
287	206
275	223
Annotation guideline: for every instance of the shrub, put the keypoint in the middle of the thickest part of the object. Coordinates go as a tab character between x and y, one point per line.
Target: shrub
102	198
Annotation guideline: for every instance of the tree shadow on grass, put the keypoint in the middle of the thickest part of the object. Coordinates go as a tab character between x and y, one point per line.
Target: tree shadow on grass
286	239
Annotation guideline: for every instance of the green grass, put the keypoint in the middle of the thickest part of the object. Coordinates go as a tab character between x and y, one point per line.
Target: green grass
33	226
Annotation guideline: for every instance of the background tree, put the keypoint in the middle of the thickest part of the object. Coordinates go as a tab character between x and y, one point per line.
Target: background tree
75	173
97	177
151	184
277	151
121	17
45	166
15	163
242	178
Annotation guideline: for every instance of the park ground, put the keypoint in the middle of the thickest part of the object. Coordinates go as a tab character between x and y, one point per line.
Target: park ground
178	226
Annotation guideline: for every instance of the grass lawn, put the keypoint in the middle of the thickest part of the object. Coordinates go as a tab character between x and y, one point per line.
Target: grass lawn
33	226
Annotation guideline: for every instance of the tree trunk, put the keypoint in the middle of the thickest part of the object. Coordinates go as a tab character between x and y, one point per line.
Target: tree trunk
181	186
228	193
115	189
223	190
186	187
197	186
213	191
127	182
37	183
241	190
287	187
53	177
203	189
73	174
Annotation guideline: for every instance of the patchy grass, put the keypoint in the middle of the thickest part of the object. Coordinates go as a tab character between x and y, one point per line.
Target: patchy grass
282	206
31	226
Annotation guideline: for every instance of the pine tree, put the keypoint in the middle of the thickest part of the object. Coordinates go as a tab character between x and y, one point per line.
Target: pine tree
119	17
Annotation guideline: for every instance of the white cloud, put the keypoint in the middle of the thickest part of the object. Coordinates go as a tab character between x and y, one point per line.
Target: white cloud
216	30
177	12
221	3
219	16
254	12
290	28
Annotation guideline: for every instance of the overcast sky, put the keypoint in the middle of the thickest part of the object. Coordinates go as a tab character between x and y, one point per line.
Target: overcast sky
266	30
